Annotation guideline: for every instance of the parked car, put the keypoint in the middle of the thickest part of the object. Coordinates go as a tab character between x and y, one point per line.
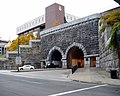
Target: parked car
51	65
26	67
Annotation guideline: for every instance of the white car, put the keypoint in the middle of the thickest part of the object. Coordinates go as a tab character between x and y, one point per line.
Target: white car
26	67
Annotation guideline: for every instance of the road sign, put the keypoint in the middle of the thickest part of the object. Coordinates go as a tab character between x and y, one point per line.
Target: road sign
18	60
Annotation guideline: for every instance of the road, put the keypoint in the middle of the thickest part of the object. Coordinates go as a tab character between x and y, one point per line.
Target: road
25	86
58	75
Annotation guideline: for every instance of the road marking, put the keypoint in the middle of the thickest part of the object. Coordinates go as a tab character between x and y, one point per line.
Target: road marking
78	90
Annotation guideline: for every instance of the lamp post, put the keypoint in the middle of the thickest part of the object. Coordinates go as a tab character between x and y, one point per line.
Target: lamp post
18	58
18	55
18	46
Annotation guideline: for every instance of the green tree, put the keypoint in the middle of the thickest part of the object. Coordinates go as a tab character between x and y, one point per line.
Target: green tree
113	20
23	40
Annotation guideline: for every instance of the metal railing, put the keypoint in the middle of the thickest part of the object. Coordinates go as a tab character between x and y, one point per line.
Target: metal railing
74	68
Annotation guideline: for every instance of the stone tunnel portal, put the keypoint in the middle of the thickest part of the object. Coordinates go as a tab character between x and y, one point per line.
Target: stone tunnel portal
75	56
55	58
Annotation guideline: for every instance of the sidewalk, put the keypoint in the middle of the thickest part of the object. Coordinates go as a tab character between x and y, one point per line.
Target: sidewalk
93	75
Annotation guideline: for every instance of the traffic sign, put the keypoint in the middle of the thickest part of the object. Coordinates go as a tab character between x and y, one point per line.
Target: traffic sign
18	60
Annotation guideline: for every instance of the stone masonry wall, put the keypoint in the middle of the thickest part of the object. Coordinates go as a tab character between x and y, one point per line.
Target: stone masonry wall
30	54
11	60
108	58
84	32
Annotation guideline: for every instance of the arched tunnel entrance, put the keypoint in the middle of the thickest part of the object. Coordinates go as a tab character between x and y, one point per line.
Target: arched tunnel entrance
75	56
55	58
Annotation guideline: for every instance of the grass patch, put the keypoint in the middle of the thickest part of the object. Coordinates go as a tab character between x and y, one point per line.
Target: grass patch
3	56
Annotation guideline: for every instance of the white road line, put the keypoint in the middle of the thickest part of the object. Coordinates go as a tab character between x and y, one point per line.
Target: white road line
78	90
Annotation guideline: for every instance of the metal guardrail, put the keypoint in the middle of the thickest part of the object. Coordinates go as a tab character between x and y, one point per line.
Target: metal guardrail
74	68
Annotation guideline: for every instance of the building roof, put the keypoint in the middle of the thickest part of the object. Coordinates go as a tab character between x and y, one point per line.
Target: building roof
8	44
118	1
39	21
3	43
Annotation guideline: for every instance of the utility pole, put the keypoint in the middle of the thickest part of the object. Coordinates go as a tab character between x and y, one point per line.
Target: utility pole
18	58
18	52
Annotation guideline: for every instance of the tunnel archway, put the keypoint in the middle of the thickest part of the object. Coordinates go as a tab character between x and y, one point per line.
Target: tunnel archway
75	56
55	58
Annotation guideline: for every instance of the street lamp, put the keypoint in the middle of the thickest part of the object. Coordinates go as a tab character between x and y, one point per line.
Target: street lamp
18	58
18	45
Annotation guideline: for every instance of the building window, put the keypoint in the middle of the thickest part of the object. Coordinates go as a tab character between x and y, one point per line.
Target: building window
30	24
42	18
33	23
27	25
39	20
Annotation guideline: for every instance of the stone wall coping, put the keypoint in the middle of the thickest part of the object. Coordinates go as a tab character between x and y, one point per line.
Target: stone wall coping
12	52
31	41
30	45
66	25
34	40
93	55
25	46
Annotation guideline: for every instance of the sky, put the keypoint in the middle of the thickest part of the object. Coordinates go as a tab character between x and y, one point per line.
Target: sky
14	13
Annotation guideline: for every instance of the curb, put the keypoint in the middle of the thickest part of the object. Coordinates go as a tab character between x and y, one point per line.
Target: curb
90	82
50	69
94	82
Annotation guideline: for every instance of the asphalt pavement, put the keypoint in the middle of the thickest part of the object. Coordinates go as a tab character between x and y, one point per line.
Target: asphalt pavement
18	85
47	74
